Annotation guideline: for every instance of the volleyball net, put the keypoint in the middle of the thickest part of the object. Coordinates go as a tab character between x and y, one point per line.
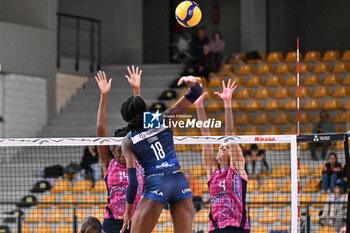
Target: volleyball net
48	185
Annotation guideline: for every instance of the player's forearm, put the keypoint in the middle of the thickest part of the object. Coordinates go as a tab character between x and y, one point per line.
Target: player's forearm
202	117
136	90
229	126
102	116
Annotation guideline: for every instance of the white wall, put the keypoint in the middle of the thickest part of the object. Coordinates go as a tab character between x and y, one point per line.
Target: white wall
24	105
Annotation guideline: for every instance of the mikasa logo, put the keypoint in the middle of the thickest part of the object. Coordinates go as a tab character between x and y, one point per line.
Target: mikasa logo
264	139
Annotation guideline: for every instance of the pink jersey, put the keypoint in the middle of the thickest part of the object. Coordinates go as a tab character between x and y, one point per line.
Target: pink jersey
227	196
116	179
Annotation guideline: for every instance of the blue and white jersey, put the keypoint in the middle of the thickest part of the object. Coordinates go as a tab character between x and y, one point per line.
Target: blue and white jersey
154	149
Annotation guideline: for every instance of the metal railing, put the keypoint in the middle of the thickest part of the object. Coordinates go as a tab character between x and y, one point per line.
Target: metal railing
95	44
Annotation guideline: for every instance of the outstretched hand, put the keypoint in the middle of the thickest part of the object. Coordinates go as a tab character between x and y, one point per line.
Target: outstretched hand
199	101
103	84
227	91
134	77
189	81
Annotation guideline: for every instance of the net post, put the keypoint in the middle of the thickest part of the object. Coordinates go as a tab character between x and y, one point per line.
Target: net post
294	183
346	150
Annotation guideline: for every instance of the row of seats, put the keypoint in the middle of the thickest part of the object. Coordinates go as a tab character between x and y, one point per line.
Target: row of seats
71	198
275	81
81	186
310	56
282	228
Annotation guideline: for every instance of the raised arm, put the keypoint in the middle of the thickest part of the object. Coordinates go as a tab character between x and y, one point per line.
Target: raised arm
208	156
105	87
183	104
134	79
237	159
132	181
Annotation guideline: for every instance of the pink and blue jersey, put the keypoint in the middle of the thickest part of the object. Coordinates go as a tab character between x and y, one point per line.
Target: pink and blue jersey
116	179
228	199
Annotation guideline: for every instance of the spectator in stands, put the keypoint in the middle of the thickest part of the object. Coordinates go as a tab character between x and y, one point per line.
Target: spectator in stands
89	164
330	173
217	47
182	48
206	63
197	191
91	225
323	126
334	212
255	161
198	42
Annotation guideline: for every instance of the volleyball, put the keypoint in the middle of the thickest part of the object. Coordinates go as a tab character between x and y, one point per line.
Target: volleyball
188	14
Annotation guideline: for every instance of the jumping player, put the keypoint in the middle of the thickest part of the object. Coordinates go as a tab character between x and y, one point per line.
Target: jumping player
154	149
113	163
227	179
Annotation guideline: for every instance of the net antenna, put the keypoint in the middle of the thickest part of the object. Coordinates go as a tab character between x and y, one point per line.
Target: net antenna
298	133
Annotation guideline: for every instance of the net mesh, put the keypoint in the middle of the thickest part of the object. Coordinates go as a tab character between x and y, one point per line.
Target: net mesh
44	185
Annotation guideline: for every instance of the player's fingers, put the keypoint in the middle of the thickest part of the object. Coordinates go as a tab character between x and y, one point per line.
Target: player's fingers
127	77
129	70
123	228
133	69
233	84
110	82
104	75
97	79
140	73
204	94
180	81
223	84
197	79
228	83
137	70
217	93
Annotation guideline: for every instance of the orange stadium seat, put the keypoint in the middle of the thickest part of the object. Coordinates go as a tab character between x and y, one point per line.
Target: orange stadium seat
280	198
253	106
322	68
339	129
100	187
238	131
68	198
82	186
25	229
312	56
269	186
281	147
311	186
89	199
262	119
81	215
56	216
280	171
264	69
164	217
177	132
99	213
253	130
283	93
253	215
210	94
270	216
35	216
291	81
304	92
202	216
216	132
246	69
155	230
45	228
104	201
284	68
263	93
274	57
215	106
346	56
341	67
304	197
221	117
216	82
64	229
312	80
168	229
61	186
47	198
304	68
309	129
236	105
292	56
304	118
192	132
274	81
326	229
322	92
341	92
282	118
304	170
273	105
259	229
341	117
331	55
317	118
331	80
243	119
258	198
282	228
292	129
204	186
197	171
244	93
255	81
286	219
312	105
286	188
291	105
347	105
332	104
252	186
203	81
318	171
238	79
323	197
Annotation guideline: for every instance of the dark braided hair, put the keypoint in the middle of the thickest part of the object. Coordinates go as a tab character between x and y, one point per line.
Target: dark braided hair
132	112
